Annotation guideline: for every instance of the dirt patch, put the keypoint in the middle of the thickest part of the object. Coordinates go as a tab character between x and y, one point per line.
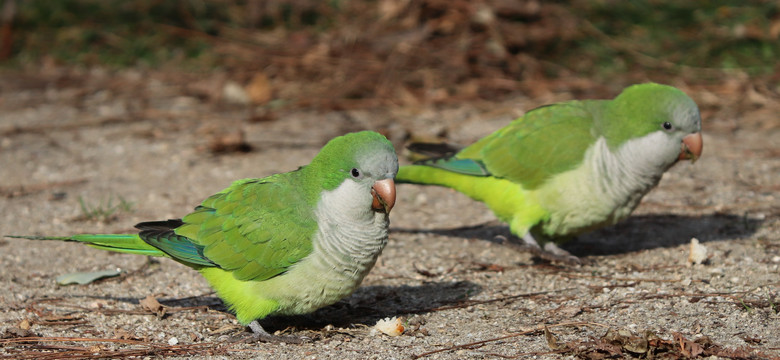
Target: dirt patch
140	139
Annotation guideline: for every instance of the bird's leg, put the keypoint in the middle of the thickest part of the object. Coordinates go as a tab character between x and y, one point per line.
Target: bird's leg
555	253
529	240
551	252
259	334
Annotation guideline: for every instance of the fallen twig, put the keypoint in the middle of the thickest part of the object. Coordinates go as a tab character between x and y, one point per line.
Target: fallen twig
95	351
469	303
483	342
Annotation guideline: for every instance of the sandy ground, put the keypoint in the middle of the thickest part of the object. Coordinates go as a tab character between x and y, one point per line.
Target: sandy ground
132	138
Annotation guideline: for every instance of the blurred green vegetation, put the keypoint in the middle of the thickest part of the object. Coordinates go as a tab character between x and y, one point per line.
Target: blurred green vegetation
104	211
144	32
114	33
605	37
701	34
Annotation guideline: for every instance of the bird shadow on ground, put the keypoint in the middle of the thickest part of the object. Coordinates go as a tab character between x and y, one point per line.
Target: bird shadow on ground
371	303
644	232
640	232
211	302
366	305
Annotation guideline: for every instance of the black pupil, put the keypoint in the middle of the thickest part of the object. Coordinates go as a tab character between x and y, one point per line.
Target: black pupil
355	173
667	126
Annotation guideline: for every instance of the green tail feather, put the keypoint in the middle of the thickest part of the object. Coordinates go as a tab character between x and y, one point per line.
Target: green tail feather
448	172
124	243
459	166
430	175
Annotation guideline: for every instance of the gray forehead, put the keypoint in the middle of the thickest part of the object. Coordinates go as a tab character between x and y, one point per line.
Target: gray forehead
381	161
687	113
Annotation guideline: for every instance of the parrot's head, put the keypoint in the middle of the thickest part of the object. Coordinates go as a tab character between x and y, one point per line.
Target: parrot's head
362	167
660	123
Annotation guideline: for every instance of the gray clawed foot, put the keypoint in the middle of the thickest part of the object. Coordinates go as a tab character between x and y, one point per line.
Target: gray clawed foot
551	251
555	253
259	334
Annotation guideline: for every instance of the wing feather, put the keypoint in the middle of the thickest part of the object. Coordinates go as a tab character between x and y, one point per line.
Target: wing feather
544	142
256	228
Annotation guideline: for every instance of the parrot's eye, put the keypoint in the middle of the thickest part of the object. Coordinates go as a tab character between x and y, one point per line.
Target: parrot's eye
667	125
355	173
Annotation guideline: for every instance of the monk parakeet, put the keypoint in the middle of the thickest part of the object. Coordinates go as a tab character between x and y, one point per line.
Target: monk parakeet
286	244
567	168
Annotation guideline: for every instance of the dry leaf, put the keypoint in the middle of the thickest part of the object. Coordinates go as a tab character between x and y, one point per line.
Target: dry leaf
16	332
568	311
688	348
124	335
229	143
552	340
259	89
262	115
151	304
82	278
62	319
628	341
633	343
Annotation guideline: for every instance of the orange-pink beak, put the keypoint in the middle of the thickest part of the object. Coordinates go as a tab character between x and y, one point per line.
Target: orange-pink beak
691	147
383	192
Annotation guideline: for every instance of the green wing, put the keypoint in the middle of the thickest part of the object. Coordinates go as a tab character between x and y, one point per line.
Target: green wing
256	228
544	142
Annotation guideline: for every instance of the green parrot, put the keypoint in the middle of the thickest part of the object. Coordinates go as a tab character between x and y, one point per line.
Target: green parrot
285	244
568	168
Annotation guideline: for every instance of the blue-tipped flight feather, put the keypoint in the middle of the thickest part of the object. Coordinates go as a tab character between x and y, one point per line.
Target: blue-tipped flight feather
460	166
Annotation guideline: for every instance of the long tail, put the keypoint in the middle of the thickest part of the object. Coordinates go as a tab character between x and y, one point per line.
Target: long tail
480	188
450	173
441	167
422	175
505	198
124	243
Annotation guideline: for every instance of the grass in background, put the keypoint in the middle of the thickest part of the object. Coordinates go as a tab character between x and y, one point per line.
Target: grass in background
366	50
142	32
115	33
700	34
104	211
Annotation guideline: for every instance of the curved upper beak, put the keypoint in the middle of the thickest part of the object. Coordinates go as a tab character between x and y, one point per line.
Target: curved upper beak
383	192
691	147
